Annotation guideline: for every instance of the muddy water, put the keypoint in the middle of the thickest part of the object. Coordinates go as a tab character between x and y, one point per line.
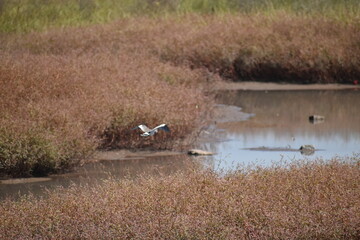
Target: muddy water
111	164
249	127
274	124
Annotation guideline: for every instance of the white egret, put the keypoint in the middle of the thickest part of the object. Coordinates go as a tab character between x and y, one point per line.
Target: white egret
149	132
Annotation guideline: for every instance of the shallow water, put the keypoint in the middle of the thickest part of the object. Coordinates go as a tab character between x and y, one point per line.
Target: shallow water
250	127
109	165
277	125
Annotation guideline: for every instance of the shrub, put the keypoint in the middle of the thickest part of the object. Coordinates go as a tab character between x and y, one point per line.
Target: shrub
29	154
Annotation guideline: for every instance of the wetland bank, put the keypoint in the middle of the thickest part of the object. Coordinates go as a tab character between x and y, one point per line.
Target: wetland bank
75	86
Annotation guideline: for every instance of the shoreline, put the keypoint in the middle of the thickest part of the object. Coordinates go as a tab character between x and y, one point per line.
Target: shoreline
271	86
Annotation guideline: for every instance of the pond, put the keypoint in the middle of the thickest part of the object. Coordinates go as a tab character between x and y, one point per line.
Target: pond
255	128
264	127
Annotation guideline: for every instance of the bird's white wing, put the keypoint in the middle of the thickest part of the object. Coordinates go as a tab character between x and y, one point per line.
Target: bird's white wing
144	128
163	127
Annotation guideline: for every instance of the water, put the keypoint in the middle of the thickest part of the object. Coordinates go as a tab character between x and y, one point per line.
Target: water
112	164
277	125
250	127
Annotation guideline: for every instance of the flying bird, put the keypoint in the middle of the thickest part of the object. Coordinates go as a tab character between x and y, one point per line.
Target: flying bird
149	132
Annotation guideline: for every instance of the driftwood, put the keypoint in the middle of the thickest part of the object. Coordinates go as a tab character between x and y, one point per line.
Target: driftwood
197	152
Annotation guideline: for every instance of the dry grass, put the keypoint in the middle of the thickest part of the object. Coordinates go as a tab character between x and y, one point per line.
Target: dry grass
303	200
79	103
282	47
279	48
67	91
85	92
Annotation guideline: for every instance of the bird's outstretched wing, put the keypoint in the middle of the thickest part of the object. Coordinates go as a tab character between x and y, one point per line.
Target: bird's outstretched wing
143	128
163	127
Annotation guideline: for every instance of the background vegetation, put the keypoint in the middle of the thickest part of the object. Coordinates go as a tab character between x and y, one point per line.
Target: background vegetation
27	15
302	200
76	75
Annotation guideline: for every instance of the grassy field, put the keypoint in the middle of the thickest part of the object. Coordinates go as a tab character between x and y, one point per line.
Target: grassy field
302	200
27	15
78	75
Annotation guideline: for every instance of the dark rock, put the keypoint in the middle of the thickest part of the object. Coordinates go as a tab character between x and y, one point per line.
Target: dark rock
307	150
315	119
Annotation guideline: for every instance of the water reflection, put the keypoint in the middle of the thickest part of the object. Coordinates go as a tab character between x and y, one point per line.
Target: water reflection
96	172
280	125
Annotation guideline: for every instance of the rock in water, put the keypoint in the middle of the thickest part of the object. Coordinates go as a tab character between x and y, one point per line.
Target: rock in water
307	149
316	119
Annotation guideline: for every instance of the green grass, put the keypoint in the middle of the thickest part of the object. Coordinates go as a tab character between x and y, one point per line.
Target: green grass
29	15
